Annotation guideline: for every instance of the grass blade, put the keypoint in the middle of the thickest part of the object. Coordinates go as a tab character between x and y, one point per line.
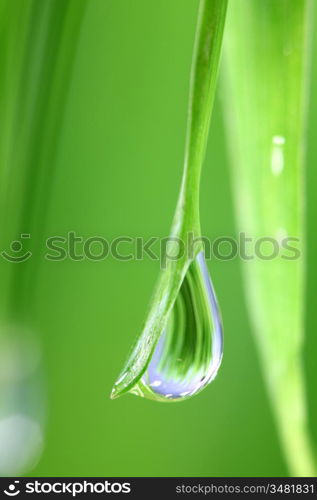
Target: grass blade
266	73
202	89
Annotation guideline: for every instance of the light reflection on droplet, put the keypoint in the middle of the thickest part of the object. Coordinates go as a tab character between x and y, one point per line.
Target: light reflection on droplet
156	383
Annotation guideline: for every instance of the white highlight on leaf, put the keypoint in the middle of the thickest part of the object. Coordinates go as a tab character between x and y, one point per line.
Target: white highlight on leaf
121	379
281	234
277	159
21	444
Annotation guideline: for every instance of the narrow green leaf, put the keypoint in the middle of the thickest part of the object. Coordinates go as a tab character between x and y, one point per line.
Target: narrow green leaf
202	89
40	39
265	76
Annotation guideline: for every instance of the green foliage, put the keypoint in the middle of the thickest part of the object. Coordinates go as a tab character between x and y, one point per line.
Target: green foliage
202	89
266	76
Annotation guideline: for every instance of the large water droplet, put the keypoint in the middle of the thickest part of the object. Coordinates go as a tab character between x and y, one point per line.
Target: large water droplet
189	352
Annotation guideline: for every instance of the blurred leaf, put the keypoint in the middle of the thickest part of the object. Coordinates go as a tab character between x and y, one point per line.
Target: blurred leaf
265	77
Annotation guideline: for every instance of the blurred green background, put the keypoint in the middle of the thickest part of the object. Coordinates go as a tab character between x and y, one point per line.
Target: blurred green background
116	171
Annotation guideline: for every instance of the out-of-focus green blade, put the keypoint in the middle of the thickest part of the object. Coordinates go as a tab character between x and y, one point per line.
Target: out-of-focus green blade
265	77
38	44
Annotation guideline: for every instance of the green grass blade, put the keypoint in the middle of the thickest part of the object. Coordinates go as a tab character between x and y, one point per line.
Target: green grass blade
266	73
206	56
34	93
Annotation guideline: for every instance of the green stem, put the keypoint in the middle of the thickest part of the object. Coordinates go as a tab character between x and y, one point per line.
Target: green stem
209	33
210	25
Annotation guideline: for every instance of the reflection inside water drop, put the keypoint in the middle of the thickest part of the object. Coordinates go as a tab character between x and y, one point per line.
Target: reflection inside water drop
189	352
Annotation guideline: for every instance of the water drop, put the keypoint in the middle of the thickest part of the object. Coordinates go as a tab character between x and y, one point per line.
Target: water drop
189	352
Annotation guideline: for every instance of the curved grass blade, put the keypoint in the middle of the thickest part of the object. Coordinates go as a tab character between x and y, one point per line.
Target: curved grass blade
202	88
